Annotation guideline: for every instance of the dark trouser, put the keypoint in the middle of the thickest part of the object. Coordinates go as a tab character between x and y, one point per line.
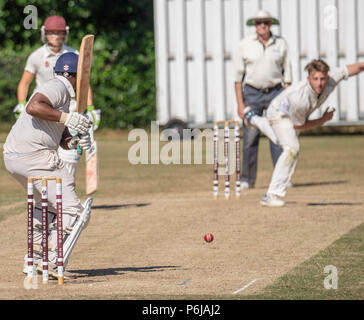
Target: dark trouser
258	101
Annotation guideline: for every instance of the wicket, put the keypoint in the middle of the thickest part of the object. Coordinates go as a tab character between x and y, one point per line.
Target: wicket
45	227
226	154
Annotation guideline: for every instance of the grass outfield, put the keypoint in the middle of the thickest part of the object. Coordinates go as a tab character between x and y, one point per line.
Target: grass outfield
144	240
306	281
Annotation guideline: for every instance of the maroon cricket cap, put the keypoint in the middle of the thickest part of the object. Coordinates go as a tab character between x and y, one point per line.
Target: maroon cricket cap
55	23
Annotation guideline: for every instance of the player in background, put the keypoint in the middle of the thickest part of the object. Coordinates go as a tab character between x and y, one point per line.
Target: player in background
40	64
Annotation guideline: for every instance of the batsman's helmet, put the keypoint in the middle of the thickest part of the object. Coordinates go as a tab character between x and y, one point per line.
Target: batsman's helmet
54	23
67	64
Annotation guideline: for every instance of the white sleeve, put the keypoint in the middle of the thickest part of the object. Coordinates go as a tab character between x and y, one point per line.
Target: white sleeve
286	65
239	66
56	95
339	74
31	65
298	118
298	110
284	106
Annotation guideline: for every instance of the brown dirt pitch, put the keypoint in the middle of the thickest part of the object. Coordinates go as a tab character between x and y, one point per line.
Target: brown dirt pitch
145	237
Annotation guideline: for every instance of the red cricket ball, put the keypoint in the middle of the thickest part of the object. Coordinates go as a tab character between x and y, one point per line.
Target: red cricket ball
208	237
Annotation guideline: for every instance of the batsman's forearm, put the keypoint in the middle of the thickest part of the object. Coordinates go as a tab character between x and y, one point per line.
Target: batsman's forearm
40	107
43	112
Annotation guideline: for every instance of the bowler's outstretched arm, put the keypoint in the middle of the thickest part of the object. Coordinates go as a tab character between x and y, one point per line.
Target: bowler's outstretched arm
356	68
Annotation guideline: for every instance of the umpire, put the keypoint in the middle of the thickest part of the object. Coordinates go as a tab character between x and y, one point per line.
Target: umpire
261	62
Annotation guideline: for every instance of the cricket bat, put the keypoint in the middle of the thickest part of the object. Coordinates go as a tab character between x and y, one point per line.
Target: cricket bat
83	72
82	87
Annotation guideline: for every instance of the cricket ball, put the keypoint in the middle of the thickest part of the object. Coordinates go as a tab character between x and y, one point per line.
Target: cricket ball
209	237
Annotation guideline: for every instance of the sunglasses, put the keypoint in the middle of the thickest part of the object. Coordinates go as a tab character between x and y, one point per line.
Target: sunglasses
266	22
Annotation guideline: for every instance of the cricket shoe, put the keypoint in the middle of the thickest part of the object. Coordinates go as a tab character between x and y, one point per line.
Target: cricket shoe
245	185
271	200
53	271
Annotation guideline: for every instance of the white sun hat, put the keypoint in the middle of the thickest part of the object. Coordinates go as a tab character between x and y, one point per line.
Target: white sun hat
262	15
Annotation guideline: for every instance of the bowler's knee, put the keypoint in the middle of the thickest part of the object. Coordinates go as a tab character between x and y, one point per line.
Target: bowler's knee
291	151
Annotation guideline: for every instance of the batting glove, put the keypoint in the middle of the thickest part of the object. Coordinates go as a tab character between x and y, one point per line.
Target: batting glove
76	121
95	116
19	108
85	141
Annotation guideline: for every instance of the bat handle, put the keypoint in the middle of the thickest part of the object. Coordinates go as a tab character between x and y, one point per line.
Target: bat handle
79	149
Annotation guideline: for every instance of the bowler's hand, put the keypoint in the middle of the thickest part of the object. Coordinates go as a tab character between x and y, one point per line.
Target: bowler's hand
328	114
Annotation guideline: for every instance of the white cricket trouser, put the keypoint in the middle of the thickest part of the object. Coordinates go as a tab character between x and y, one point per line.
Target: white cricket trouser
288	139
46	163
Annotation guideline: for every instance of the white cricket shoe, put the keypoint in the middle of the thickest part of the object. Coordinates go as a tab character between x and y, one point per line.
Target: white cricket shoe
245	185
271	200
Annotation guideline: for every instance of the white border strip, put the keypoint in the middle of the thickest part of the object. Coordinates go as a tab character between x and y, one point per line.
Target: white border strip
245	287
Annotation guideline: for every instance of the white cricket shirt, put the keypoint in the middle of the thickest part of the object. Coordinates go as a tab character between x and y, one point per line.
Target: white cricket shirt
31	134
298	101
262	66
42	61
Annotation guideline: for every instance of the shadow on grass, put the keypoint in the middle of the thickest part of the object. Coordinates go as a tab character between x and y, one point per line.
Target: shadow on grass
119	206
311	184
120	271
319	204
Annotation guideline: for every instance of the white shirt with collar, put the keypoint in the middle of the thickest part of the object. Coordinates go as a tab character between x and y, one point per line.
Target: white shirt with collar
298	101
31	134
262	66
42	61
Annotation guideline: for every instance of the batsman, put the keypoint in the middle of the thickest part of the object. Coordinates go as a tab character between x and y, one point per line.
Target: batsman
31	147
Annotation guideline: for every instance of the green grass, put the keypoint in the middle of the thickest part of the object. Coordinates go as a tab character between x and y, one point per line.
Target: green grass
306	282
